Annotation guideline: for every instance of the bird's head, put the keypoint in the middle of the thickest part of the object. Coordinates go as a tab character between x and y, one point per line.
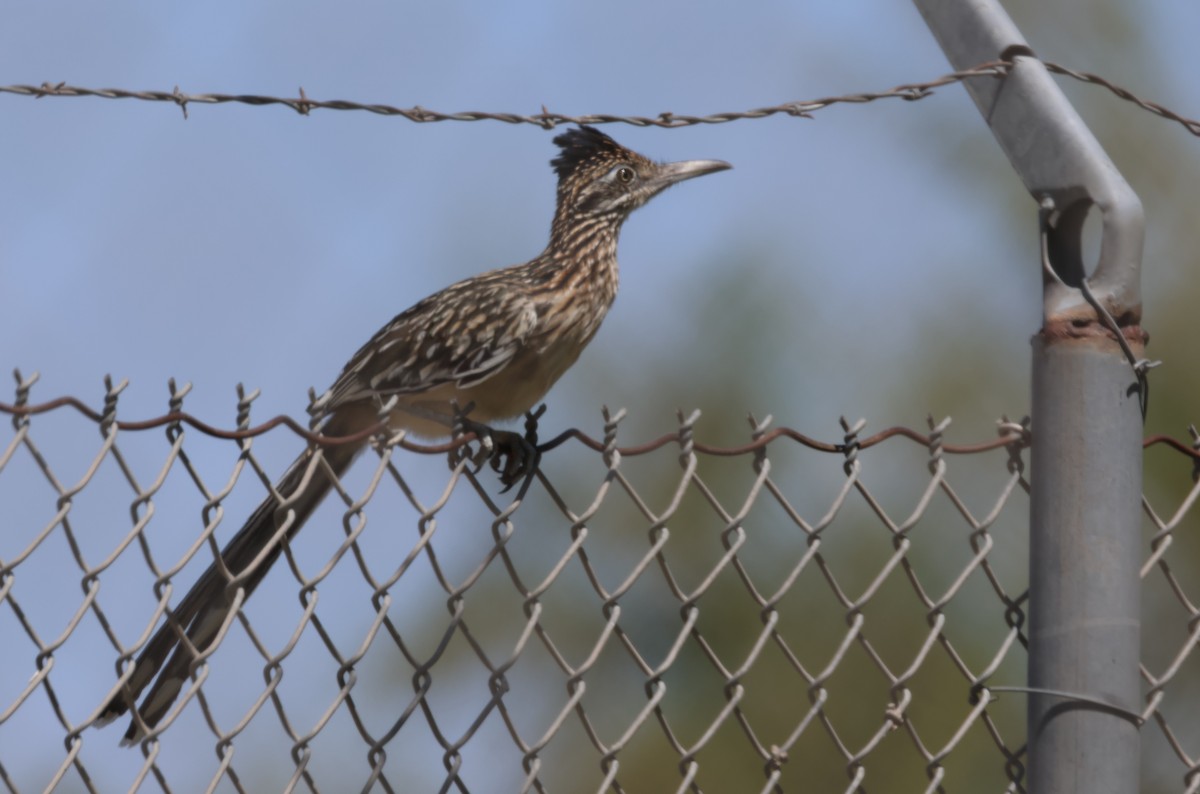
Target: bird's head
600	178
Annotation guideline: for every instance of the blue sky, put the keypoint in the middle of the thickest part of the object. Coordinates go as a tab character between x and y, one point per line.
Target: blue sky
184	247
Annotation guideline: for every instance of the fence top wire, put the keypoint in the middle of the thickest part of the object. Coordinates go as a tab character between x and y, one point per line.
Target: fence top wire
1009	433
1014	434
304	105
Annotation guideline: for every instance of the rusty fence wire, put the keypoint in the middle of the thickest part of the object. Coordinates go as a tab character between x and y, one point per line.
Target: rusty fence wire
304	105
788	614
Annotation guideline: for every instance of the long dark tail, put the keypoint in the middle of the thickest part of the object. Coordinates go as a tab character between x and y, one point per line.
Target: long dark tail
208	606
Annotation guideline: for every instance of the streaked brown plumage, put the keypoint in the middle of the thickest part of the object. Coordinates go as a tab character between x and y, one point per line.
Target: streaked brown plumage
496	342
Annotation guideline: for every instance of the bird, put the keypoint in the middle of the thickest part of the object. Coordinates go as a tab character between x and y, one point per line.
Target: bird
481	351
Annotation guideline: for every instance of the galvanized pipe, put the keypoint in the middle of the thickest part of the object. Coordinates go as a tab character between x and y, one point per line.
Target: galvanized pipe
1084	602
1086	477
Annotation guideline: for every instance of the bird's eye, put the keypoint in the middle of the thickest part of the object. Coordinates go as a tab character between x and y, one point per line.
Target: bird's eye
625	174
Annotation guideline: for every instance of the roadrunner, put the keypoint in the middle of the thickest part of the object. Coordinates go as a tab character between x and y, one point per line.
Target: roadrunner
490	346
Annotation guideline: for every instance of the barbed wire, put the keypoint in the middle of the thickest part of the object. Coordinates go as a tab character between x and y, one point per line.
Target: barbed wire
547	119
1189	124
304	105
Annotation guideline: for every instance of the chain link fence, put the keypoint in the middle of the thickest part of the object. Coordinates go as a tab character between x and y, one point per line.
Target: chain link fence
665	617
784	615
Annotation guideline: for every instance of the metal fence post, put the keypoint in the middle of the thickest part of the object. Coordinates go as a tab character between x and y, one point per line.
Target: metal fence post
1084	621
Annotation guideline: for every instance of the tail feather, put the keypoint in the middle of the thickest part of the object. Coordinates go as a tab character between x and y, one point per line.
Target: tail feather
207	609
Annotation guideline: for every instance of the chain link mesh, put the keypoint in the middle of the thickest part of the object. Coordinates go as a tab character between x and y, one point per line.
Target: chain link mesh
783	615
666	617
1169	664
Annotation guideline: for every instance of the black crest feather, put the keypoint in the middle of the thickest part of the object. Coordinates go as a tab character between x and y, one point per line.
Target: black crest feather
581	146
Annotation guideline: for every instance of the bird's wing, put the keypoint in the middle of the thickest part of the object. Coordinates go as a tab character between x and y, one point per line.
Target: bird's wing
464	335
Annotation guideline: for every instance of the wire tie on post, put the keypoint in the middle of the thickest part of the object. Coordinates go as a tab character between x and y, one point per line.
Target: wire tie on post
1073	697
1140	365
1046	212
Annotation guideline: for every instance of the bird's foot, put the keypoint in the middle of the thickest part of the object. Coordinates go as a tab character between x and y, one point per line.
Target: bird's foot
512	455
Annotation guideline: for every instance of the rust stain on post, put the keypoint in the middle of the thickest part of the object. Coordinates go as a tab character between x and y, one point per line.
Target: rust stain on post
1062	330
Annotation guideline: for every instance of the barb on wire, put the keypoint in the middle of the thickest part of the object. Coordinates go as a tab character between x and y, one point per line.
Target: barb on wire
547	119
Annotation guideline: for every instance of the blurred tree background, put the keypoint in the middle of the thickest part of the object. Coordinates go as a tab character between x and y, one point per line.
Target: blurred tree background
877	261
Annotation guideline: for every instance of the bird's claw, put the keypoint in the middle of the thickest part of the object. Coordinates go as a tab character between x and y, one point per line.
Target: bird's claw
511	455
514	458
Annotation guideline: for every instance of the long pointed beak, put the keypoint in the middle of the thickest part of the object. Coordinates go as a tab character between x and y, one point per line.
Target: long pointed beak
670	173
